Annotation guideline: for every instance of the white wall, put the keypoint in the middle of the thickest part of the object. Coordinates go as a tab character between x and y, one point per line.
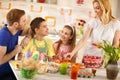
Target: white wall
115	8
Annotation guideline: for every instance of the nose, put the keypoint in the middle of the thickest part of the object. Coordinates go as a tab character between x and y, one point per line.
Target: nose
47	27
95	10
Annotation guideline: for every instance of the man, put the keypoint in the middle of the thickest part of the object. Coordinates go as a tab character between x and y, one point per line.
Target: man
16	22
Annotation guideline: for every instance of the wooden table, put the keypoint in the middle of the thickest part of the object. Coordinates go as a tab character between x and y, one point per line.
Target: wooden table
100	75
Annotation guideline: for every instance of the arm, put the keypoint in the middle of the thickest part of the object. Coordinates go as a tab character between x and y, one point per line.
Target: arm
50	48
27	34
116	40
6	57
55	48
82	41
25	41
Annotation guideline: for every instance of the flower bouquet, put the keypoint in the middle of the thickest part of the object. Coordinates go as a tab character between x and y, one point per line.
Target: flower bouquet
111	53
111	56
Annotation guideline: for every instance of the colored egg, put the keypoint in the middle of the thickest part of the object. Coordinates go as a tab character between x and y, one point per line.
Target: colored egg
27	54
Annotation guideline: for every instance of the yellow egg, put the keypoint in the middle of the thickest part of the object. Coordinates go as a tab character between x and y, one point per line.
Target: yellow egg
119	55
33	49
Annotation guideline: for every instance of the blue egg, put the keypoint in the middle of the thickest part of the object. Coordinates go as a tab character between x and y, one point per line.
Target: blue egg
28	54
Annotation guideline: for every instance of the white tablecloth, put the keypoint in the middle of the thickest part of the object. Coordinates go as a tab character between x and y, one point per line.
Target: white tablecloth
100	75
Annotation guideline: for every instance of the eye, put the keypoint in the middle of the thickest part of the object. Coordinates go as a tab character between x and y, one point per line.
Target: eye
79	24
24	20
43	26
97	7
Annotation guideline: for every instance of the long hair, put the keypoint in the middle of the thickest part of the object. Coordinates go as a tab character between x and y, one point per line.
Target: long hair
106	11
72	41
35	23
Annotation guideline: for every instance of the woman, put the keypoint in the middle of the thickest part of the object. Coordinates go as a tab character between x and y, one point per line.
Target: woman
103	27
66	43
38	41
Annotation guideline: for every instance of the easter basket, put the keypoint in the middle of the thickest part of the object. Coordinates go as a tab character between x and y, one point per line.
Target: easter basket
29	74
28	68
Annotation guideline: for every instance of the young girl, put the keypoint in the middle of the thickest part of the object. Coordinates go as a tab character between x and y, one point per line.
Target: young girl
38	41
66	43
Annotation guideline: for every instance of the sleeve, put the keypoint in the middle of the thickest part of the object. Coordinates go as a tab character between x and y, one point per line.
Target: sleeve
91	23
3	39
117	25
55	47
51	51
20	32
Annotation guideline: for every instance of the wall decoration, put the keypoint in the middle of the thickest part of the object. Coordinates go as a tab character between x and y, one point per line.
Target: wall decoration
64	11
51	20
56	16
35	9
5	7
80	26
80	2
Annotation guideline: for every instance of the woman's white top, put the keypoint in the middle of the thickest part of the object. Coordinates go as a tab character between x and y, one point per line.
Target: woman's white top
99	33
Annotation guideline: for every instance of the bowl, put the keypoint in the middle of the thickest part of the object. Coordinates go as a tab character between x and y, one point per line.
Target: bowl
29	74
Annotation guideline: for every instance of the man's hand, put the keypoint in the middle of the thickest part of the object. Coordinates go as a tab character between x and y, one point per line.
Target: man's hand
18	49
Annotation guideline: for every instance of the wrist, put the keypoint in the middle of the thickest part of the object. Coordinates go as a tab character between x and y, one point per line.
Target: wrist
72	53
27	36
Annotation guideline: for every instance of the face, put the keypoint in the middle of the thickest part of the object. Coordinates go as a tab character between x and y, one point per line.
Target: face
42	30
65	34
97	9
22	23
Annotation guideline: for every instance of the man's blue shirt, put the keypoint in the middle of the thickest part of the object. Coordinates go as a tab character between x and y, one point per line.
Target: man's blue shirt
9	41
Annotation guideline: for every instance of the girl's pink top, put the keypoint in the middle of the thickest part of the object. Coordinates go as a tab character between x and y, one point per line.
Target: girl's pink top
64	49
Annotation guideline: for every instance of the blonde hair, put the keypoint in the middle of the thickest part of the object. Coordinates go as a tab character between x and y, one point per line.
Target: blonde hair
106	11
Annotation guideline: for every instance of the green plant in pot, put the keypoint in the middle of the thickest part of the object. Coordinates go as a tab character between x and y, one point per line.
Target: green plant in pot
111	56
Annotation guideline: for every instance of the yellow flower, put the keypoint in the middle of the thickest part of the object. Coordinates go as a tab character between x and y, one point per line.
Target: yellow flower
119	55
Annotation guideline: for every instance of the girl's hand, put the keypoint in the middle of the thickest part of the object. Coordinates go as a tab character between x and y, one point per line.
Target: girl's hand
25	41
68	55
59	56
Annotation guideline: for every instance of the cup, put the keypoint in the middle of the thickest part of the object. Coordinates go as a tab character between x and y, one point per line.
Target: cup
63	68
74	71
